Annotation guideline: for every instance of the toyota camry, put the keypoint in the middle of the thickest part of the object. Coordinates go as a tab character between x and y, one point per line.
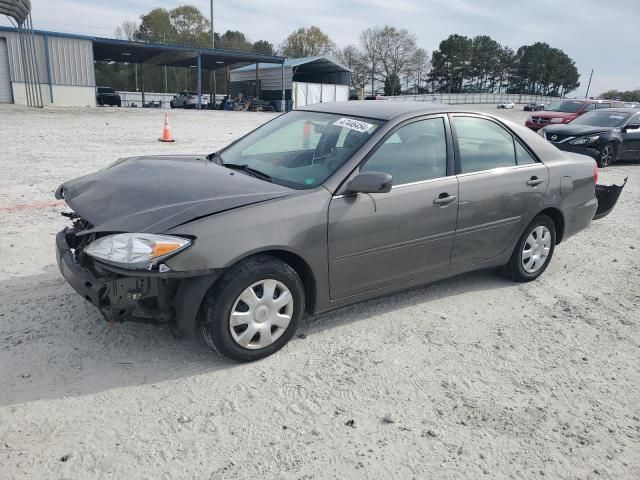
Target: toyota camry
320	208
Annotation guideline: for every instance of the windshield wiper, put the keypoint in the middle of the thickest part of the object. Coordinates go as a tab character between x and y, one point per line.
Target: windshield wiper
216	158
251	171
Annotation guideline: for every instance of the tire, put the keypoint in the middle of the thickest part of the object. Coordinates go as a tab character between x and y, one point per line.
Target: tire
101	102
520	267
608	154
257	274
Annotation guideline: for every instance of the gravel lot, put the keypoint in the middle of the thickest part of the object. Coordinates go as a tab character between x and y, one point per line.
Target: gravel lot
470	376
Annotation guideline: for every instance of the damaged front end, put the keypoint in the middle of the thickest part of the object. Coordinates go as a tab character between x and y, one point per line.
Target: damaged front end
607	196
151	295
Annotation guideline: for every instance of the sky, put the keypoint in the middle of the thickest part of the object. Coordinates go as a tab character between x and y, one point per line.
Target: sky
599	35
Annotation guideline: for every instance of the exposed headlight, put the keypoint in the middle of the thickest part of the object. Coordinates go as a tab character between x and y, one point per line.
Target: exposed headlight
529	119
135	250
584	140
541	133
556	120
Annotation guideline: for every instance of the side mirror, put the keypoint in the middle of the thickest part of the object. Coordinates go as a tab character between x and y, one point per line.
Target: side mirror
370	182
632	126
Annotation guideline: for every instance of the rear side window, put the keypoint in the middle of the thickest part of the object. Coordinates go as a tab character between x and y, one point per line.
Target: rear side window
523	157
416	152
483	145
604	105
589	107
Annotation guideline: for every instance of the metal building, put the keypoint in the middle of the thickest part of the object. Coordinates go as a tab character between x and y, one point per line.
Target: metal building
64	63
307	80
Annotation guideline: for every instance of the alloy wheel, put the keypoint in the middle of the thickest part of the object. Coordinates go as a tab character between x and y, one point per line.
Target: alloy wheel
606	156
536	248
261	314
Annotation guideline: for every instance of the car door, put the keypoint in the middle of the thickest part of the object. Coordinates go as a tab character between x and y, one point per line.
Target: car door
376	240
500	182
631	140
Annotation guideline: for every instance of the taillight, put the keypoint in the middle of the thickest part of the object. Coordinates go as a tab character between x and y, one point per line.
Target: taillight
595	174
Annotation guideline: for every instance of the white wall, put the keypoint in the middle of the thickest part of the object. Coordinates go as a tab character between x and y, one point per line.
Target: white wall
63	95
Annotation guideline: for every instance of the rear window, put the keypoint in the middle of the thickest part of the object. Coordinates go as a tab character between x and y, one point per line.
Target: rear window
566	106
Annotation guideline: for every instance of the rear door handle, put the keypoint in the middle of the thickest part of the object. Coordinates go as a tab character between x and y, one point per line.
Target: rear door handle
534	181
444	198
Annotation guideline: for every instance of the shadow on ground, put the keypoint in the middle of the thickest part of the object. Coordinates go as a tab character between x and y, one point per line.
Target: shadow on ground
53	344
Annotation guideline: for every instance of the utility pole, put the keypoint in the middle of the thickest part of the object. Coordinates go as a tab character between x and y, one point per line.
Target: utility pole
589	85
164	67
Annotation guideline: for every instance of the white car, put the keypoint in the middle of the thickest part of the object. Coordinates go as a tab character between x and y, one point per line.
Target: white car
507	105
187	100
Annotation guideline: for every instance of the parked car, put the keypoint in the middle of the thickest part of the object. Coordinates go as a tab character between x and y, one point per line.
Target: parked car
187	100
321	207
507	105
533	107
563	111
605	135
374	97
108	96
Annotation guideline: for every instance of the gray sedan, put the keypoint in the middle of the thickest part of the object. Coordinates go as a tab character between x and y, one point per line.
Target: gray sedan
317	209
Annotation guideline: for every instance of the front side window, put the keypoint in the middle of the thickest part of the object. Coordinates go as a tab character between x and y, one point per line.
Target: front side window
300	149
415	152
483	145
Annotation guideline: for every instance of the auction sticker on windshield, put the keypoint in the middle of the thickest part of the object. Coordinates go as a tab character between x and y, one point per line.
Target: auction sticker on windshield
351	124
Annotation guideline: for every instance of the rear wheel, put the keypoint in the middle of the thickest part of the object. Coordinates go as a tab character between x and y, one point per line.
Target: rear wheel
533	252
608	154
254	309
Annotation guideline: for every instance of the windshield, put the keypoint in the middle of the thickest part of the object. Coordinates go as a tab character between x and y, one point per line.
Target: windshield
300	149
601	119
105	90
567	106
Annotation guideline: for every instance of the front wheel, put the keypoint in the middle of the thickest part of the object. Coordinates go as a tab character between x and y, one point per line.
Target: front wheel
608	154
254	309
533	252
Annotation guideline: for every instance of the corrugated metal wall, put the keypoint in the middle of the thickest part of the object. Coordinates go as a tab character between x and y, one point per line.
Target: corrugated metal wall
71	60
15	57
270	78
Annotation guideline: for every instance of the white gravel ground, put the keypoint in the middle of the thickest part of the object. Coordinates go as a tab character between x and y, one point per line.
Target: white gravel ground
470	376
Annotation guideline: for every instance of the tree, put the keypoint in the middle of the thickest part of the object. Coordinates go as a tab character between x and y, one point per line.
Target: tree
450	63
392	85
264	47
626	96
127	31
353	59
156	27
234	40
370	42
307	42
190	26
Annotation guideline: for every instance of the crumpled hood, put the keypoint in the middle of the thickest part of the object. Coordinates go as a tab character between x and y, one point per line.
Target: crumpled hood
156	193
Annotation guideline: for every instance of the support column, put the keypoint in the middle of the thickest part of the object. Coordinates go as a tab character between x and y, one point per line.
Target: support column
199	81
257	81
47	59
284	98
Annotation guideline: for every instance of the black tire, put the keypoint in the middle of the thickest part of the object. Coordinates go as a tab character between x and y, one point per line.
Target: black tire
608	154
101	102
515	269
215	318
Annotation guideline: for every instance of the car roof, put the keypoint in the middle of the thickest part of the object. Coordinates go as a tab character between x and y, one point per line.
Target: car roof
381	110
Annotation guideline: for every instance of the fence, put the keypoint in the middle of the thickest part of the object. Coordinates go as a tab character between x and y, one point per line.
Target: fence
459	98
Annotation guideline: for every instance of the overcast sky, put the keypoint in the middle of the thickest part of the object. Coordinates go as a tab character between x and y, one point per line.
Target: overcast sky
603	35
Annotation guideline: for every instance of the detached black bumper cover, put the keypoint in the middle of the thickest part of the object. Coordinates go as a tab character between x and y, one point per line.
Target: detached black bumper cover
607	196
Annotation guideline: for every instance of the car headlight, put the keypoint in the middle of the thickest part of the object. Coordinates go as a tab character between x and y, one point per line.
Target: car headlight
556	120
529	119
541	133
135	250
584	140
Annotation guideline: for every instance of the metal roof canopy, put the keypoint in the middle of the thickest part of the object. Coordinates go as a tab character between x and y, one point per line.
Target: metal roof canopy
306	65
16	9
112	50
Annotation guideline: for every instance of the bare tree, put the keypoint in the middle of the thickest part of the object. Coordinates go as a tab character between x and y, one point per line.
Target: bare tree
352	58
370	42
127	31
399	54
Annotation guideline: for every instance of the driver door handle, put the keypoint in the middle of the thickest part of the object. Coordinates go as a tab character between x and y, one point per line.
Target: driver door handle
534	181
444	198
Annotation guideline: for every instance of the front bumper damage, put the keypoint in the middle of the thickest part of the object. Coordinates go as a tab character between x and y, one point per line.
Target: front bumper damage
171	298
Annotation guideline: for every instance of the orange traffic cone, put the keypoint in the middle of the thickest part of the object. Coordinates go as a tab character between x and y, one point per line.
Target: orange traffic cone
166	133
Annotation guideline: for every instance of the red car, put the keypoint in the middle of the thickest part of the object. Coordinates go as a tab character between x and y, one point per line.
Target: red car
563	111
